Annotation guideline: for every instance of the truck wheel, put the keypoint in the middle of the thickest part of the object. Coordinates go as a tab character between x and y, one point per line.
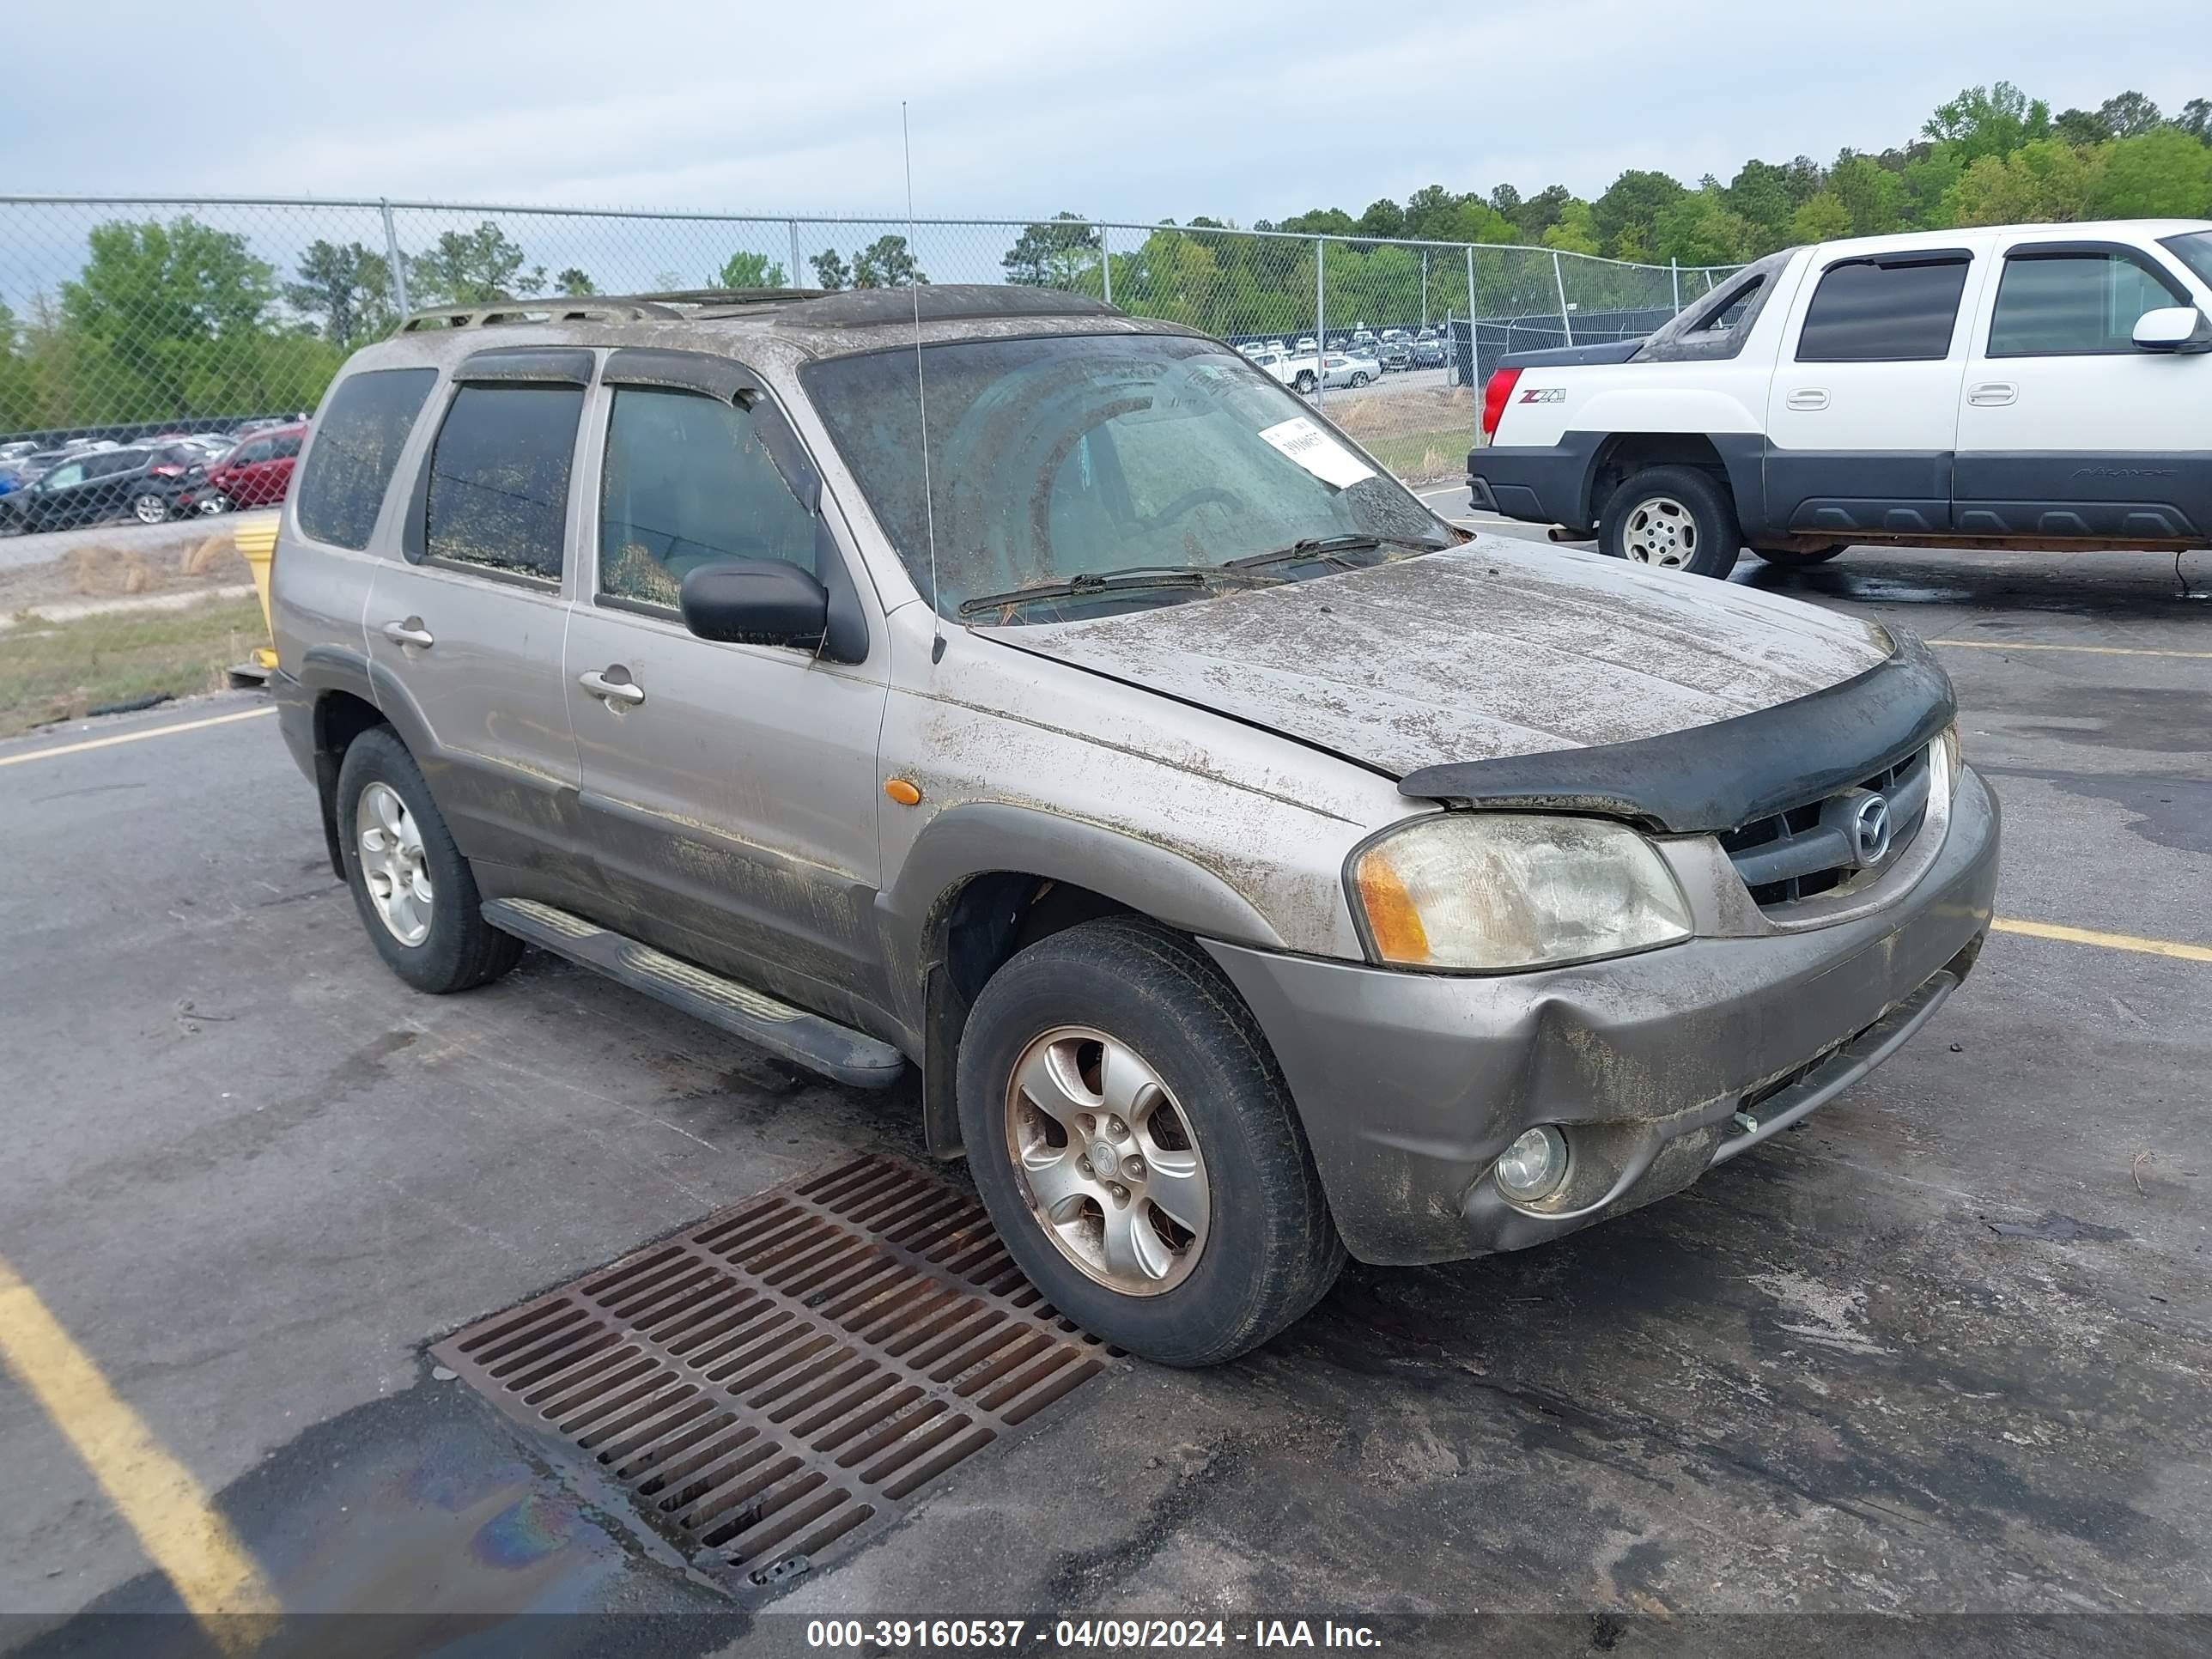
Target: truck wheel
1794	559
1676	517
410	884
1304	383
1132	1138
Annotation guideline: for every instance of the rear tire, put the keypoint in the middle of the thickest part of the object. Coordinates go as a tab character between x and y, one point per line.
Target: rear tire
1793	559
1304	383
458	949
150	509
1672	517
1357	381
1120	992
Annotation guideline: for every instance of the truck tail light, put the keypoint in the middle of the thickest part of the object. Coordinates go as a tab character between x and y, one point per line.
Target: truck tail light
1494	394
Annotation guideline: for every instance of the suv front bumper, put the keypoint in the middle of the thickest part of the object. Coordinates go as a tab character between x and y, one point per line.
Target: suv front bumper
1410	1084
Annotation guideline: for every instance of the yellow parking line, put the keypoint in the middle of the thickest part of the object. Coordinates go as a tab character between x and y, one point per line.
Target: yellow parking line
2093	650
178	1527
2154	947
134	736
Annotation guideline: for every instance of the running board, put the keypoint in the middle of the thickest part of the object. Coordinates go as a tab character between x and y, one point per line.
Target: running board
804	1039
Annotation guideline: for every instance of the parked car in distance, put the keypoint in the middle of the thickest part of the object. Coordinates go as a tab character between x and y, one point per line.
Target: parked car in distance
145	484
257	473
1252	871
1429	353
1396	337
2033	386
10	454
1396	357
1305	345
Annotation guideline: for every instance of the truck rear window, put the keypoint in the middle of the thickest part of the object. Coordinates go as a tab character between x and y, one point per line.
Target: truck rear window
357	450
1894	312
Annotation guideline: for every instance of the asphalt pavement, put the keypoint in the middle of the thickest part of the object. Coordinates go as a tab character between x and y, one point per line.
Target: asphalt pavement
1944	1349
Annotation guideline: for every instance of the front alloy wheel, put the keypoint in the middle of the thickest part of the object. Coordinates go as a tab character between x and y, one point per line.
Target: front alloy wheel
393	864
1114	1174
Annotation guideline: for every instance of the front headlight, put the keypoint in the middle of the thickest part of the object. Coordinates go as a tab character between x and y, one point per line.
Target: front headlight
1492	892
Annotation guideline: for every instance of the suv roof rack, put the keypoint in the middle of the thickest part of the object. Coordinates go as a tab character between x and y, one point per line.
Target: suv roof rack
597	308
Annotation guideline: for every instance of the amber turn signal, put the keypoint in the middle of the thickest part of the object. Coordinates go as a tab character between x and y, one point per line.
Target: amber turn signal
902	791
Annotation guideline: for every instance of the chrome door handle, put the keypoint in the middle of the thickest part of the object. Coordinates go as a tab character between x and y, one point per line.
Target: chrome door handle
1992	393
1808	399
410	632
625	691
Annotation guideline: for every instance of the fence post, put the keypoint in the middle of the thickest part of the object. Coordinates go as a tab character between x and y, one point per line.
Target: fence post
797	279
1320	325
1567	323
1424	287
1675	269
1106	262
397	259
1470	320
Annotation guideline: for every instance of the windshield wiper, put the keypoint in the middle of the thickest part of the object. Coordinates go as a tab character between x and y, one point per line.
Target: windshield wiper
1327	547
1129	579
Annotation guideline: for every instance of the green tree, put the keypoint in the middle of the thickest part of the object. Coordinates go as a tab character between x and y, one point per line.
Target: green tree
1056	253
2130	115
574	279
2196	119
1870	193
1823	218
2046	181
473	267
1927	180
2163	173
1637	198
1703	229
1540	212
167	321
830	271
743	270
1994	120
1763	196
349	288
885	262
2080	127
1575	231
1383	218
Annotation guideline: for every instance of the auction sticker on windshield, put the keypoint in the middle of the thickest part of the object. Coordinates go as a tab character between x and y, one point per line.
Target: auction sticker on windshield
1319	453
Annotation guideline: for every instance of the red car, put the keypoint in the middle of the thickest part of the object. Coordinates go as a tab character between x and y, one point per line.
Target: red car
257	473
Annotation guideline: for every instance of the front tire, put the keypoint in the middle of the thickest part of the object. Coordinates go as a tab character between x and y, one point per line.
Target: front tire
1674	517
1304	383
150	509
1118	1045
414	890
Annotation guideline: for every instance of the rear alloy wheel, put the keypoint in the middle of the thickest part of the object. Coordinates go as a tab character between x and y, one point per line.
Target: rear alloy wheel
1304	383
1358	380
1132	1136
1672	518
150	509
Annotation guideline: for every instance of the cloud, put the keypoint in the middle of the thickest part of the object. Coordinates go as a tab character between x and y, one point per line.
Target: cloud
1150	109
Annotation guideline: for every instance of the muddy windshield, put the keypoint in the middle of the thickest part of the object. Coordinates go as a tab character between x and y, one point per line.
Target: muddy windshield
1072	456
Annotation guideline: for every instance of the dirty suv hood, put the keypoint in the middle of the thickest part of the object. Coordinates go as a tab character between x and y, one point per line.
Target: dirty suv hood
1488	649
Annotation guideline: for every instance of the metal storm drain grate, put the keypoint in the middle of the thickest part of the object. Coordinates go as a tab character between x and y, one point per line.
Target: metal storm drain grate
776	1382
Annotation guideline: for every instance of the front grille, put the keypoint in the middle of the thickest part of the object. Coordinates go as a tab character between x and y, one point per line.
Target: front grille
1809	849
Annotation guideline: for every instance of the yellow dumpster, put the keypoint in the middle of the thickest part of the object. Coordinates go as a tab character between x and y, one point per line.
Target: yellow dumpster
256	540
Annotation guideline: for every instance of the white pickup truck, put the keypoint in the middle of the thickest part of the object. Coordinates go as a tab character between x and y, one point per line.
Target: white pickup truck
2018	387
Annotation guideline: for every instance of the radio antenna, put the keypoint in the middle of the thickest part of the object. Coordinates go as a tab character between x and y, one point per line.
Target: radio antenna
922	397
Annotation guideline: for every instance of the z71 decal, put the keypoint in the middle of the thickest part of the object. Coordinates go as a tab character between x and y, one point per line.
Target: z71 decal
1545	394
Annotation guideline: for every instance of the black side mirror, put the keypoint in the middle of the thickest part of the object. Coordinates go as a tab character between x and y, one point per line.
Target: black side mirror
756	602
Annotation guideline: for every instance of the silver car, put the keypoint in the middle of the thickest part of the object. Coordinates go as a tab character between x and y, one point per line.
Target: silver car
1256	868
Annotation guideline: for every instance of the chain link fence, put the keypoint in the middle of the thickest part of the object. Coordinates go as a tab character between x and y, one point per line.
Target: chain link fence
123	321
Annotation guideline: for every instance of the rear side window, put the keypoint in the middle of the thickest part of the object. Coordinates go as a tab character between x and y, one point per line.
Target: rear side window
498	494
689	482
356	450
284	448
2070	304
1892	312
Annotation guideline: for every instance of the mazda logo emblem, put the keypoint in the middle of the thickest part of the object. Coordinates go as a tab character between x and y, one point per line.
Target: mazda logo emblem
1870	829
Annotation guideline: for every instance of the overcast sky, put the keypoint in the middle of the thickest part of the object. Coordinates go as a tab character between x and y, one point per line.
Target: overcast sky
1140	110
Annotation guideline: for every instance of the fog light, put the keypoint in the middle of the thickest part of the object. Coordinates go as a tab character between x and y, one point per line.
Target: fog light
1535	1165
